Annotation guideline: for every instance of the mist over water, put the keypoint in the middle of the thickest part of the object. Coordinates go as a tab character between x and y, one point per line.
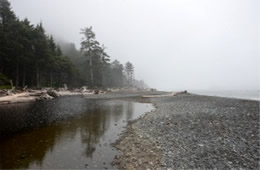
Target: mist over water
240	94
75	73
174	44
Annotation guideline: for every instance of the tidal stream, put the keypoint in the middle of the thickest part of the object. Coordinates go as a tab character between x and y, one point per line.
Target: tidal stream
67	132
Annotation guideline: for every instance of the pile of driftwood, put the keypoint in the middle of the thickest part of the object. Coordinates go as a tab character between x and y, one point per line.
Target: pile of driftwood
22	95
27	95
17	96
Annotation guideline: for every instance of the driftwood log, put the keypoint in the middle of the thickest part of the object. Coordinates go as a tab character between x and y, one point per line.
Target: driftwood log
165	95
24	88
53	93
19	96
24	97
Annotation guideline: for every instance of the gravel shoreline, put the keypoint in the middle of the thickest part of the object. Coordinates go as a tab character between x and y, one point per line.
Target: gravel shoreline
192	131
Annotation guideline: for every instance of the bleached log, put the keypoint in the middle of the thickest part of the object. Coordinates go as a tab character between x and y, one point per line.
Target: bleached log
16	98
24	88
53	93
10	91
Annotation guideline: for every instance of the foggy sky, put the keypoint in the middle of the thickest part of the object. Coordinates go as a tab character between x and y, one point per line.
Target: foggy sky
174	44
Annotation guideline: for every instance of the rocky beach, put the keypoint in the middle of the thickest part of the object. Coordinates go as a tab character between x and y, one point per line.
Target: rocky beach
188	131
191	131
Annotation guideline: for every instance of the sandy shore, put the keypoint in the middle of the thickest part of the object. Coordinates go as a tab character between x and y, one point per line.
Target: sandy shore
192	131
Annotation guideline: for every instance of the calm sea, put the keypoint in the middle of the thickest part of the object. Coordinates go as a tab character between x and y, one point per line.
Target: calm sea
241	94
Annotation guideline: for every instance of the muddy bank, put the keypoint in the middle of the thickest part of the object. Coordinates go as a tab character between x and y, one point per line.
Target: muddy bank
192	131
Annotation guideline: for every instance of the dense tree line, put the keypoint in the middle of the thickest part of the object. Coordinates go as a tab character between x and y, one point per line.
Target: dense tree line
28	56
94	64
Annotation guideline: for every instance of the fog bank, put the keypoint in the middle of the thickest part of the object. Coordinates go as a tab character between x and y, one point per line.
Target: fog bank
174	44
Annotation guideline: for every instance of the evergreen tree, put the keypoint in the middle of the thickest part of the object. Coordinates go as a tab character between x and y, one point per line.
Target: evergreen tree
31	57
53	59
89	46
117	74
27	53
7	17
129	70
105	66
97	59
6	13
40	47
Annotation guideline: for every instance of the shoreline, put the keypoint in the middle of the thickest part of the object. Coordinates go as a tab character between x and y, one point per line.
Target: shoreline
253	95
190	131
228	97
29	95
133	145
41	95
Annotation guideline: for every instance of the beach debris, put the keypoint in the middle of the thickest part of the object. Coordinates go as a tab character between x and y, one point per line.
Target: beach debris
166	95
96	91
84	89
65	86
45	96
53	93
180	92
10	91
11	84
25	87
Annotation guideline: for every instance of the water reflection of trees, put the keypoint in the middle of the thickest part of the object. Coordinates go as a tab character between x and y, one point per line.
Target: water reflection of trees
91	120
129	109
22	150
92	127
98	121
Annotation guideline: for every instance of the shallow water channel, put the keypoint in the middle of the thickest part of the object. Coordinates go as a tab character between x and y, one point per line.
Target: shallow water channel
67	132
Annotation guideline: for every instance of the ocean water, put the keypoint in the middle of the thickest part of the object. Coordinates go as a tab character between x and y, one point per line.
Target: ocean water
240	94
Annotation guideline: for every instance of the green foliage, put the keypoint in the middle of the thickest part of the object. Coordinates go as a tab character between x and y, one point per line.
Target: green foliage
5	87
4	82
28	56
6	14
3	79
97	60
129	70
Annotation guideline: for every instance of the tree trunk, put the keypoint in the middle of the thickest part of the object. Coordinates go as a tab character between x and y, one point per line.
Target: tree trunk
40	78
2	65
37	76
51	78
11	84
24	75
91	71
59	79
17	75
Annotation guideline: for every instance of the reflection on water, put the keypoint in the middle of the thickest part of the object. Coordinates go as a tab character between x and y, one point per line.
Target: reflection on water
67	132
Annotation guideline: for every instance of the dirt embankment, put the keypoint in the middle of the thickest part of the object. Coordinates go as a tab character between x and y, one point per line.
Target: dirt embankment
192	131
